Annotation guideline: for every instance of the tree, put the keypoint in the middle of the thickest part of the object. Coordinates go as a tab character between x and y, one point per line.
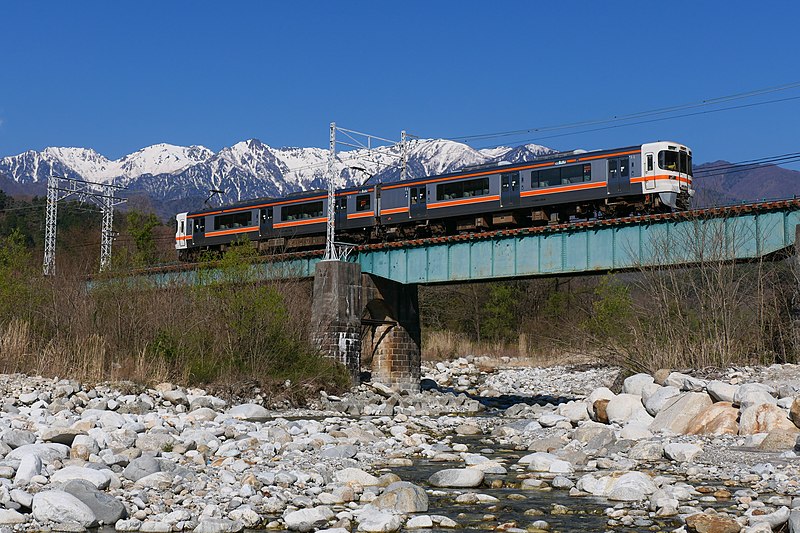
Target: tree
140	227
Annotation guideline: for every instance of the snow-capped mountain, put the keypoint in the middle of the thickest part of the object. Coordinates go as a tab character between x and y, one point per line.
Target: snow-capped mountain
178	177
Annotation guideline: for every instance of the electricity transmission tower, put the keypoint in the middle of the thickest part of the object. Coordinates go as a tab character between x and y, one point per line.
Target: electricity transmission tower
99	194
367	145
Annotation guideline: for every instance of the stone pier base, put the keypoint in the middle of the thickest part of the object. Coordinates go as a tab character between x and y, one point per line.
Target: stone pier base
365	320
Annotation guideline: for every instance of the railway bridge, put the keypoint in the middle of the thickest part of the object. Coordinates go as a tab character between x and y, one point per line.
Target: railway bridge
375	288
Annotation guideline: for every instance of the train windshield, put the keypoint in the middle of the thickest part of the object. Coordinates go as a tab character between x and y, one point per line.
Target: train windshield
675	161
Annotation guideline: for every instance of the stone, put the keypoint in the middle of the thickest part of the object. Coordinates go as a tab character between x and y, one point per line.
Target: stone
549	420
128	525
778	440
574	411
775	519
155	442
175	397
794	521
681	452
61	435
636	383
341	451
763	418
625	407
372	520
419	522
712	523
468	429
107	509
10	517
357	476
69	473
661	375
794	412
655	402
646	451
402	497
29	466
719	418
750	394
457	478
59	506
685	382
648	390
46	452
600	393
250	412
15	438
721	391
635	431
599	410
308	519
141	467
678	412
218	525
152	526
82	447
159	480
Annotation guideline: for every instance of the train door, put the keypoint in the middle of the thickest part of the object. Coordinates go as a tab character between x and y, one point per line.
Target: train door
649	171
619	175
509	189
418	202
341	211
265	221
183	232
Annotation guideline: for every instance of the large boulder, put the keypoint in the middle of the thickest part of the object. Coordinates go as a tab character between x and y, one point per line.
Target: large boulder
106	508
764	418
250	412
679	411
630	486
712	523
717	419
373	520
624	408
403	497
99	479
751	394
59	507
721	391
356	476
685	382
636	383
681	451
457	478
308	519
218	525
655	402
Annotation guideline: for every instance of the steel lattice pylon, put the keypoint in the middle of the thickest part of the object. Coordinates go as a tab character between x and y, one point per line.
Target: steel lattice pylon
102	195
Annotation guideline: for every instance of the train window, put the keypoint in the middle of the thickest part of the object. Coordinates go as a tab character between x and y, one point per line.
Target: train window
550	177
573	174
200	225
302	211
233	220
668	160
685	166
587	172
341	203
623	167
612	169
183	228
649	162
462	189
689	165
266	214
362	202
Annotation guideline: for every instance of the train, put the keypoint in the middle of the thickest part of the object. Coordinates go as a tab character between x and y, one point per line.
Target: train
648	178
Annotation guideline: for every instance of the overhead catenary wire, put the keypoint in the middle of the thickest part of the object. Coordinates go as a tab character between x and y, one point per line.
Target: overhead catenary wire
631	116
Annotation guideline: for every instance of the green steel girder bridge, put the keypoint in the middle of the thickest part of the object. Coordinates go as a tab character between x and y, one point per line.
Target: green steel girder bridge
733	233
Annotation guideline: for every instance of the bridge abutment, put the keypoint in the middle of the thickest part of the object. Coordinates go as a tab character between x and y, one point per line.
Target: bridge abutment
355	314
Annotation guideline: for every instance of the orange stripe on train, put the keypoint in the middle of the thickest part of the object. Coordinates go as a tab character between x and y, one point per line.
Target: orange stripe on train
300	222
465	201
563	188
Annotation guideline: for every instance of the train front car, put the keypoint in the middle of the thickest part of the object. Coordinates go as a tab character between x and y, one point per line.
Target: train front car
182	235
667	171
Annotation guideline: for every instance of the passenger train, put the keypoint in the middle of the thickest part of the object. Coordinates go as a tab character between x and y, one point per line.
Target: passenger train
648	178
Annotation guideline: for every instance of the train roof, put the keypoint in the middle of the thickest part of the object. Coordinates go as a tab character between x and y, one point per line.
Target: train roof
573	155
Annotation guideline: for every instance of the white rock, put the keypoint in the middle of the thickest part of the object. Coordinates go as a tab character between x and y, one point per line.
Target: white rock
250	412
457	478
29	466
308	519
655	402
636	383
721	391
549	420
635	431
677	412
96	477
574	411
9	517
419	522
682	452
775	519
356	475
58	506
751	394
624	407
372	520
600	393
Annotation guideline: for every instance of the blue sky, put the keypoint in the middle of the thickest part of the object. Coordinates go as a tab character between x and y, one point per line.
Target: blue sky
117	76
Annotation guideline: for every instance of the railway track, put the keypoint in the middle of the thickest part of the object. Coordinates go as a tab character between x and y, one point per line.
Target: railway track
712	212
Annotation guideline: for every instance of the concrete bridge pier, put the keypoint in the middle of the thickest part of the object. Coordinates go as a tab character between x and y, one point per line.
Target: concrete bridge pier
366	321
336	313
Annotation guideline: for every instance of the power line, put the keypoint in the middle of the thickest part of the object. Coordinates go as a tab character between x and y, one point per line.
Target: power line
631	116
